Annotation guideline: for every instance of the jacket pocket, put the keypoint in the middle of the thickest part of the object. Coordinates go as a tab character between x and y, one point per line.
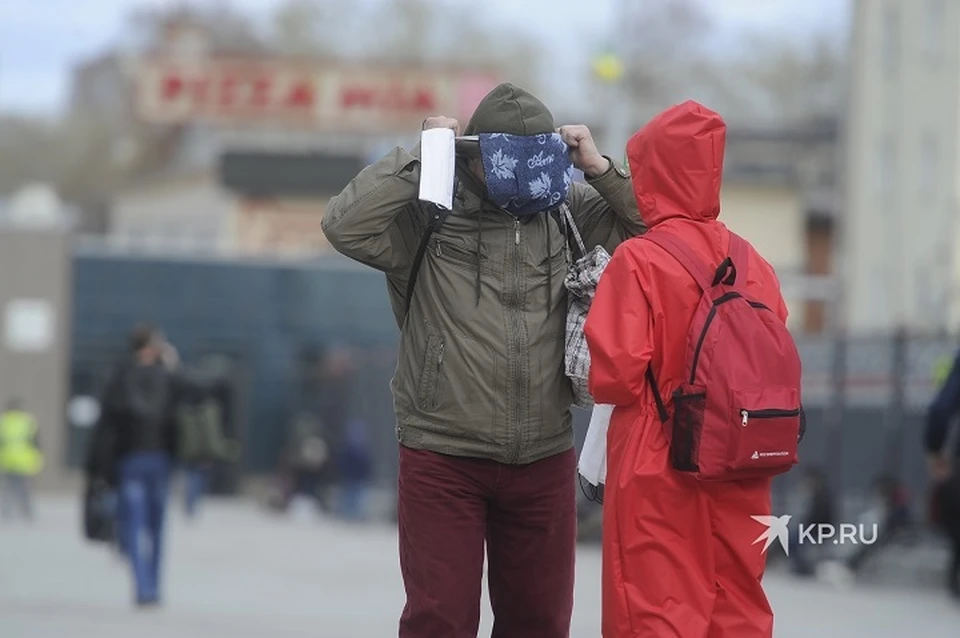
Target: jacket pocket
430	373
458	251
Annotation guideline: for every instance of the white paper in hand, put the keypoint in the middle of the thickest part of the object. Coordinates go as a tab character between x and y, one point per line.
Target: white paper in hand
437	166
593	456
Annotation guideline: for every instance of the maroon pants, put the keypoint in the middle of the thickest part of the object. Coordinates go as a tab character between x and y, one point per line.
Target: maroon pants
448	507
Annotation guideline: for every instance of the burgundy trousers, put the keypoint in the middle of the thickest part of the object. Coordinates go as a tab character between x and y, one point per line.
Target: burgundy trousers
526	514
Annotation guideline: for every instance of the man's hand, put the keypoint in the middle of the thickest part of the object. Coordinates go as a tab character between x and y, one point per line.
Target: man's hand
939	467
442	122
583	150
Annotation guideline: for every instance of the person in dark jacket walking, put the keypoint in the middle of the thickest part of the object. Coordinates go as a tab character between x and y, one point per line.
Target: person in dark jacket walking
134	447
355	469
482	401
943	466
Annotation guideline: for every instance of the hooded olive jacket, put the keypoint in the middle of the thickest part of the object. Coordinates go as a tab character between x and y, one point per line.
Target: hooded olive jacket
481	361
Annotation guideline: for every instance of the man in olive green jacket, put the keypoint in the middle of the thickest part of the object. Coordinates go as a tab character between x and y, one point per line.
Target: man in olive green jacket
483	406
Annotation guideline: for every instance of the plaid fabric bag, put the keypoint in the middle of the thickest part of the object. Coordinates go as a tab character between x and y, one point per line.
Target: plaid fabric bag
583	275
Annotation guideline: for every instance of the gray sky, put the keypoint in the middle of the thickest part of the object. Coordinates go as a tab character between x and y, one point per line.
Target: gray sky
41	39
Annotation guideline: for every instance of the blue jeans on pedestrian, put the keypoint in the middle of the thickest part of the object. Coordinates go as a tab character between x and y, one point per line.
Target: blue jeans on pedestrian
352	500
144	486
196	486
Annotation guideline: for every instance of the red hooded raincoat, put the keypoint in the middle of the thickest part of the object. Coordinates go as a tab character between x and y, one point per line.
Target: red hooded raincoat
678	554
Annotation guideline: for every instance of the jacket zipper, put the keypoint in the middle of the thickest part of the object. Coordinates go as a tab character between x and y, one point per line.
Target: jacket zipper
769	413
436	382
517	382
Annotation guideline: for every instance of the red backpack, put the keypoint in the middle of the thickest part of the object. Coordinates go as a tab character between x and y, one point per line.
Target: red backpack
737	414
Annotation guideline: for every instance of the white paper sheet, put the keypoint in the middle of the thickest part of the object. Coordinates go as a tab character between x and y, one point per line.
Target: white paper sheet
593	457
437	166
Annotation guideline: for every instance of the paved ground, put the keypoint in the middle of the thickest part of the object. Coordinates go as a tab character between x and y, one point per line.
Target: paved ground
241	574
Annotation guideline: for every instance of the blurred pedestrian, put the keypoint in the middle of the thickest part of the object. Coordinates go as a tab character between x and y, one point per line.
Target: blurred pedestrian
679	558
945	476
890	511
819	509
308	463
355	469
20	458
334	401
194	472
196	477
140	439
482	402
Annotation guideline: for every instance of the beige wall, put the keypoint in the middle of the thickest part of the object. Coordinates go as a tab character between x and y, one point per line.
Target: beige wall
280	226
37	265
773	219
903	168
190	209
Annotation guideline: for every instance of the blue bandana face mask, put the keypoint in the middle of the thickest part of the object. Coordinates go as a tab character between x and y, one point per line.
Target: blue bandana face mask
526	174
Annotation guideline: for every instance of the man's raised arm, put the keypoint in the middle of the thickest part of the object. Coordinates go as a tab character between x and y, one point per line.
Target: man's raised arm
374	220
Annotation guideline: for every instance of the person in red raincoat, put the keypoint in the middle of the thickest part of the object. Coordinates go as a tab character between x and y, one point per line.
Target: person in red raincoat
678	554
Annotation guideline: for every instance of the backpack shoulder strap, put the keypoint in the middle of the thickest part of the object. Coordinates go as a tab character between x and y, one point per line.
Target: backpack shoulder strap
682	253
739	251
438	215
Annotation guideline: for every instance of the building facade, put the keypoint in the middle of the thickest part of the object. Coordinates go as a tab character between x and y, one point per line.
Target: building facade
779	192
901	238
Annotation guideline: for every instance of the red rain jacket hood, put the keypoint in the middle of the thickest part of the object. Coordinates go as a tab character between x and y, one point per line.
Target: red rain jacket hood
676	163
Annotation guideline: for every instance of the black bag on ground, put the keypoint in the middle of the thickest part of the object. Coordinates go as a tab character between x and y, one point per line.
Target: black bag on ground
99	512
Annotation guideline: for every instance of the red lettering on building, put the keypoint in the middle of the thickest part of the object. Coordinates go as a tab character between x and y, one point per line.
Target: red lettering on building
228	92
200	90
172	87
301	96
260	96
357	97
394	97
223	90
425	100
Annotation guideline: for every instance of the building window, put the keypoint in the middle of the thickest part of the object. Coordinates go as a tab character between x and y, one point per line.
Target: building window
929	165
891	39
933	38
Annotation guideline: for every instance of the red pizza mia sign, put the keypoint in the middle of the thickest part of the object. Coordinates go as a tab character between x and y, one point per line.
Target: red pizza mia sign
397	97
230	91
234	92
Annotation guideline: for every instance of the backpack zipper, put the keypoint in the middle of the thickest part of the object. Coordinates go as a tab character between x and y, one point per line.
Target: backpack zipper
769	413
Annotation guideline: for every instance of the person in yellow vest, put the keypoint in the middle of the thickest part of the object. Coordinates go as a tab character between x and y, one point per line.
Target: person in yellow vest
20	458
941	370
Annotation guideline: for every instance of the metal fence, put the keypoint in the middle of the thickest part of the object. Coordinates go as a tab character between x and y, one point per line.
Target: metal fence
865	396
260	316
866	399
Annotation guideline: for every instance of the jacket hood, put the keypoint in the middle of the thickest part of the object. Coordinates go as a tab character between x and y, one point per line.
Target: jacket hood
510	109
676	164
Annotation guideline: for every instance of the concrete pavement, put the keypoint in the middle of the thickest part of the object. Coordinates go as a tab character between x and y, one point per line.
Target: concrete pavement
240	573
